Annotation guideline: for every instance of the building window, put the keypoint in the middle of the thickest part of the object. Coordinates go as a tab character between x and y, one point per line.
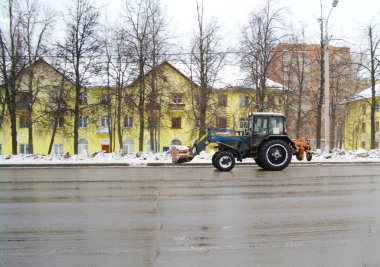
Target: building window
128	122
176	123
104	123
128	146
105	99
176	142
59	121
55	96
24	121
363	144
221	121
271	101
197	100
177	98
24	149
222	100
197	122
129	99
82	146
377	106
244	101
58	149
363	128
364	108
83	99
149	147
82	121
243	123
22	99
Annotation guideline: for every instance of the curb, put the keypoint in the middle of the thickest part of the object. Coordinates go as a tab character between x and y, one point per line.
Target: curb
163	164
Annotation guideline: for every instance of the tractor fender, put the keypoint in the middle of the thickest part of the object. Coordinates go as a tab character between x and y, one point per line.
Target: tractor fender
285	138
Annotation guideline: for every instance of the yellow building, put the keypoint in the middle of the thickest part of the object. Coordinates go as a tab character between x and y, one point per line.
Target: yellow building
170	112
358	121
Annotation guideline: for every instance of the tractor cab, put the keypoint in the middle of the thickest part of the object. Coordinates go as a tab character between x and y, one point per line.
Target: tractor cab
264	125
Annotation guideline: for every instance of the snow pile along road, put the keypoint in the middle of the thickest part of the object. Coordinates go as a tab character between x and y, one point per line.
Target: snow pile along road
139	158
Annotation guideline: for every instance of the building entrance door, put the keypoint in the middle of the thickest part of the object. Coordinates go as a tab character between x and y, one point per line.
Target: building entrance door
106	148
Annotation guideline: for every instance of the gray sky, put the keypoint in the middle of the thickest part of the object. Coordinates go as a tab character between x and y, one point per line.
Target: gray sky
345	21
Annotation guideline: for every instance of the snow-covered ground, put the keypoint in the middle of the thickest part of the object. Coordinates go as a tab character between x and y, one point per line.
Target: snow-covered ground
143	159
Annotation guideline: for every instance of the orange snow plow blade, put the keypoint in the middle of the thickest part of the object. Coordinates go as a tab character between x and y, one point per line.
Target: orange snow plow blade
180	154
301	147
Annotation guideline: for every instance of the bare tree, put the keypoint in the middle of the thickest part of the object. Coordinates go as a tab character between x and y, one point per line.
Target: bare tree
295	67
341	90
205	63
11	63
145	23
258	40
80	49
35	28
120	73
370	63
159	46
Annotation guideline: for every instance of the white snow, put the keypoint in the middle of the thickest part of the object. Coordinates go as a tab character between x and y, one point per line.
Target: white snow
142	159
367	93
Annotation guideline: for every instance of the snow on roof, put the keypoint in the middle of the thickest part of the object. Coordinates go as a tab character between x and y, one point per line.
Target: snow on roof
367	93
229	76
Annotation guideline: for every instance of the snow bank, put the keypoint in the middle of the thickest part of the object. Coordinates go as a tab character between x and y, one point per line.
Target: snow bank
139	158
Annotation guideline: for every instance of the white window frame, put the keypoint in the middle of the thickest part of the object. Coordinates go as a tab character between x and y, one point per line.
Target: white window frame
243	123
82	121
82	146
24	149
244	100
104	122
128	146
177	98
83	98
60	121
58	149
128	122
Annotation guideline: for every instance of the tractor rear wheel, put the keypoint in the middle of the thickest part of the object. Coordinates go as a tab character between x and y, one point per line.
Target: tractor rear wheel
224	161
275	155
258	162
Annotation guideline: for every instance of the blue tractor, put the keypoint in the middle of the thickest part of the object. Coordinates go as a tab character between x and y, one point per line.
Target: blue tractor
264	139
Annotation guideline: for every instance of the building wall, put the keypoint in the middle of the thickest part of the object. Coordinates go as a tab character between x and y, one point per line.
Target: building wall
93	138
357	132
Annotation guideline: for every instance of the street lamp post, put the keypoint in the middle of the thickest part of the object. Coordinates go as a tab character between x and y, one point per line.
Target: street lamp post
327	80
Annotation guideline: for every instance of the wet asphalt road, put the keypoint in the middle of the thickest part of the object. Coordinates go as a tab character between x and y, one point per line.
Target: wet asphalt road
193	216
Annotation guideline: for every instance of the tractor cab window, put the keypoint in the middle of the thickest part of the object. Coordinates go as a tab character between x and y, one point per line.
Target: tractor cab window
260	125
276	125
268	125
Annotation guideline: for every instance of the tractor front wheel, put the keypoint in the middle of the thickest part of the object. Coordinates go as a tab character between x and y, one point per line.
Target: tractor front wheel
275	155
224	161
213	159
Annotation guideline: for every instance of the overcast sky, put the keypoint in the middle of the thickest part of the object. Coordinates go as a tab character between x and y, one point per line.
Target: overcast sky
345	21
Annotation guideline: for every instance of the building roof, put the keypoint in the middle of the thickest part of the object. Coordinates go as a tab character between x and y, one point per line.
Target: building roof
231	76
365	94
